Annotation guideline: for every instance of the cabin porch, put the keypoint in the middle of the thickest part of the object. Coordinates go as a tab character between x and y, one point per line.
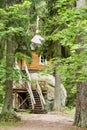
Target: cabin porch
22	101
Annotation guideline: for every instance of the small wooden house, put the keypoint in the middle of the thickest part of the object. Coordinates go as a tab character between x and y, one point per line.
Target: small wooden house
28	95
38	62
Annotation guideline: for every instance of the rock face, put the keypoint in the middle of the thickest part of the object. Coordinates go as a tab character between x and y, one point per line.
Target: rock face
50	98
50	84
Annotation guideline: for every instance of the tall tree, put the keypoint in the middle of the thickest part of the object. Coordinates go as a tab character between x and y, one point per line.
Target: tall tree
52	48
14	30
69	29
74	36
81	102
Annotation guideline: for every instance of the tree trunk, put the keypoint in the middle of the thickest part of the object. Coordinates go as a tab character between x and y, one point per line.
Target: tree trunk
80	3
60	94
57	99
81	101
81	105
8	101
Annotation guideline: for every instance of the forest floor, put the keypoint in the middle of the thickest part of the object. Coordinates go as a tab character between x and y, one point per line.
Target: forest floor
50	121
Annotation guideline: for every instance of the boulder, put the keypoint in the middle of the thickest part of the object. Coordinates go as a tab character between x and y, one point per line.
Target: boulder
50	84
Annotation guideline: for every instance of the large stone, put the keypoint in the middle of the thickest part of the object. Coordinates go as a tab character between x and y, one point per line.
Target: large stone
50	84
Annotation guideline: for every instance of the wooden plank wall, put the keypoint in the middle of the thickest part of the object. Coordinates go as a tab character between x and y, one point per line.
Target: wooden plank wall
35	65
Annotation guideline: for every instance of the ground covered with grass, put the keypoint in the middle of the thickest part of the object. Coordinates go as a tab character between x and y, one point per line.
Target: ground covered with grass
8	120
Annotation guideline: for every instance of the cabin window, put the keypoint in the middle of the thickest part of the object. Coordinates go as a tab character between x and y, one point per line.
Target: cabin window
43	60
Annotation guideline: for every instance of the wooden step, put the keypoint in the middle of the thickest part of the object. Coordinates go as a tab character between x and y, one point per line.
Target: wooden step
38	107
39	112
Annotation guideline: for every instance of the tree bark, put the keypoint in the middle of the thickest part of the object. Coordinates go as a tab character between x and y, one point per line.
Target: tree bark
59	93
80	3
8	101
57	99
81	101
81	105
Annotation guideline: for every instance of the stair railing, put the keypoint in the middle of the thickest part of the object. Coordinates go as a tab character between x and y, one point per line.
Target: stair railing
40	95
29	89
17	68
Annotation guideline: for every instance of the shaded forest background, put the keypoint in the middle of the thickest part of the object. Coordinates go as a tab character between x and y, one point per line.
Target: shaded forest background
64	26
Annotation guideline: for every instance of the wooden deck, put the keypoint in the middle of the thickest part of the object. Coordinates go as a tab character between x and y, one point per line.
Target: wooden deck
21	100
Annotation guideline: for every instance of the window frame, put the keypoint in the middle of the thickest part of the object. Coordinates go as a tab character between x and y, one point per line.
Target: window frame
42	60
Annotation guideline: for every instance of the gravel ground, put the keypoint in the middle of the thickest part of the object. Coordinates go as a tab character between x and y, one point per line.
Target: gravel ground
50	121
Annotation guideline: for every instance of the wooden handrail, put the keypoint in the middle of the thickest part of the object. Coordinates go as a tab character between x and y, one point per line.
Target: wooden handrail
40	95
17	67
29	86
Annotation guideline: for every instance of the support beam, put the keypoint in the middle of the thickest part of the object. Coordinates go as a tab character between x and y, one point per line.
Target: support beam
22	102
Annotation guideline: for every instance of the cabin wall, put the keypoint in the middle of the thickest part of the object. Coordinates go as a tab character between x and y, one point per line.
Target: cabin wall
35	64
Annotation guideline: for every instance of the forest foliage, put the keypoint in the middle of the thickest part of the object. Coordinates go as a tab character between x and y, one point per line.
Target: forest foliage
67	25
14	22
61	23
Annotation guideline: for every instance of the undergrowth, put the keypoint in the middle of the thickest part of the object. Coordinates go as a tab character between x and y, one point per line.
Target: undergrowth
9	117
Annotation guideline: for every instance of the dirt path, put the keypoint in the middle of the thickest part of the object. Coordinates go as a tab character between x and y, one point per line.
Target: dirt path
46	122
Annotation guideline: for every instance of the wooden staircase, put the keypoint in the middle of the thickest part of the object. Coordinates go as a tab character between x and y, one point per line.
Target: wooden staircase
38	108
34	97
